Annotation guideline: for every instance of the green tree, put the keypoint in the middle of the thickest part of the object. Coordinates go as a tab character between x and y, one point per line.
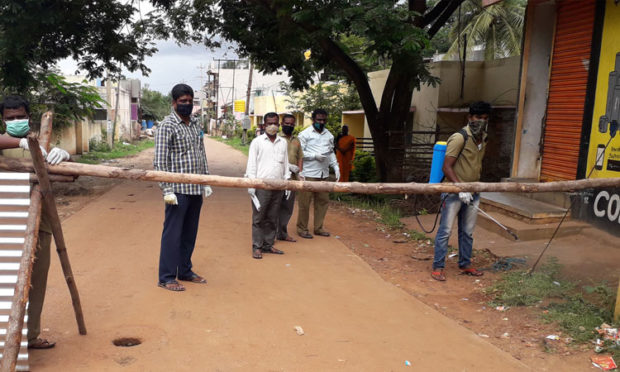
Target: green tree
275	34
154	105
498	28
100	35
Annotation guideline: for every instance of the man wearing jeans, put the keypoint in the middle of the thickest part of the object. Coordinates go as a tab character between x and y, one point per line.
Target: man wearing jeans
463	163
179	148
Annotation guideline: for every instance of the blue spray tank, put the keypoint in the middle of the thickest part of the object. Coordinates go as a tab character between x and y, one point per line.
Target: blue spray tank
439	154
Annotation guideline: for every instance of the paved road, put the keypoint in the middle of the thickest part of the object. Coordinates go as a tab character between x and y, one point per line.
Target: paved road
244	318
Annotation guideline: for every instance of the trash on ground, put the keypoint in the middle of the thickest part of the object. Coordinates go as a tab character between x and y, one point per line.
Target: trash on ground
299	330
399	241
464	299
505	335
483	335
505	319
337	237
505	264
452	255
604	362
407	363
553	337
556	283
502	308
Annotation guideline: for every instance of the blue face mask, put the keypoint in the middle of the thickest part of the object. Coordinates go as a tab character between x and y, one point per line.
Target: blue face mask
318	126
18	128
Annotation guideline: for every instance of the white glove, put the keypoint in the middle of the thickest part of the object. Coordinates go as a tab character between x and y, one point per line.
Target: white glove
293	168
287	193
171	199
57	155
466	197
23	143
320	157
337	172
252	192
207	191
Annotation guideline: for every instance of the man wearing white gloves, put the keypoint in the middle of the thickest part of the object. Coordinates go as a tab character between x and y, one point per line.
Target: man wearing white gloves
317	145
15	113
463	163
179	148
267	159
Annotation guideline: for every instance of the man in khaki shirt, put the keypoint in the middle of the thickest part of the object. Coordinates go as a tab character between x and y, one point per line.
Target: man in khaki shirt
295	161
463	163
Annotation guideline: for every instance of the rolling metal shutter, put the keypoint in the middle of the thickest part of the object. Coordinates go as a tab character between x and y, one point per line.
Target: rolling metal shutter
567	89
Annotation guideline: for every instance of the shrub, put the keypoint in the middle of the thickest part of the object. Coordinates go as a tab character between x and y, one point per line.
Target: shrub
364	169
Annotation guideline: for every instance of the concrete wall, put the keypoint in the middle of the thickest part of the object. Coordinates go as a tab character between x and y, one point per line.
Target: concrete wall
536	90
355	123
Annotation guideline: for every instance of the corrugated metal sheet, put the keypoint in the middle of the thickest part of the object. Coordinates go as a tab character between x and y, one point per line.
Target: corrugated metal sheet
567	89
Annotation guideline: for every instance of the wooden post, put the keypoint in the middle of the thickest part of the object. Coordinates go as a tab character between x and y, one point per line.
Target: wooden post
617	311
22	287
51	212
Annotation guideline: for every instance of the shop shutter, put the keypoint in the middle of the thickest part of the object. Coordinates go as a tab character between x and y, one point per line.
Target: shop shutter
567	89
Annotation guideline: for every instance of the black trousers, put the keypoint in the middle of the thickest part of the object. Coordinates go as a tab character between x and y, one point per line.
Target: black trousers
179	238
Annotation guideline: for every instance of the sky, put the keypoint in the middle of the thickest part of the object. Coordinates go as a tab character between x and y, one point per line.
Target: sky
172	64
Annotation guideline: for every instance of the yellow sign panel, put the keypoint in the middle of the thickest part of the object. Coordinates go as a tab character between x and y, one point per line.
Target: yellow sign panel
606	159
239	105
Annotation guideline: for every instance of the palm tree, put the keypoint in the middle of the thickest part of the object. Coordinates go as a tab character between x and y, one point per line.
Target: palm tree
498	28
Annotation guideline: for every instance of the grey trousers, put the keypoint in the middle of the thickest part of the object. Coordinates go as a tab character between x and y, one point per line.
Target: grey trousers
264	221
286	211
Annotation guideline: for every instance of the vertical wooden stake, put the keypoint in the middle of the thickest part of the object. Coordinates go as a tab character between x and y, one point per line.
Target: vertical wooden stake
617	311
52	212
22	287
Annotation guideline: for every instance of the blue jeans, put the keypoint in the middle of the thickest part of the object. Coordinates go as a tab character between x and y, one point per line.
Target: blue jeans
467	214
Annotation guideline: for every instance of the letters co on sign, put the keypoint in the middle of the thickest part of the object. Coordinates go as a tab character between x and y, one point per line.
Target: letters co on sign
606	205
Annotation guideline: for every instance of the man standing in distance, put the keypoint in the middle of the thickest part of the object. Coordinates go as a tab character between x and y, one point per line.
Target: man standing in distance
295	161
15	113
179	148
317	144
267	159
463	163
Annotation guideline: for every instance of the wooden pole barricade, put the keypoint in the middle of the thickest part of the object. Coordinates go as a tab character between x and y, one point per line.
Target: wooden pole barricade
22	287
76	169
52	214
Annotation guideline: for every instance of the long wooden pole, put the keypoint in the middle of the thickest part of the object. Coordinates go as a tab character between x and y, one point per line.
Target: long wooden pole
76	169
52	213
22	287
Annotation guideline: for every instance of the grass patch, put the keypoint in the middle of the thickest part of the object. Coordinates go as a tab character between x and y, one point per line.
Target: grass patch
517	288
235	143
388	215
101	151
576	310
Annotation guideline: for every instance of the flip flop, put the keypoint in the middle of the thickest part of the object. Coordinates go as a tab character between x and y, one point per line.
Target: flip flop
257	253
41	343
438	275
194	278
272	250
172	285
471	272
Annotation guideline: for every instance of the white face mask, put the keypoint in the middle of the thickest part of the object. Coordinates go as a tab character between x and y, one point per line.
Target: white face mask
271	129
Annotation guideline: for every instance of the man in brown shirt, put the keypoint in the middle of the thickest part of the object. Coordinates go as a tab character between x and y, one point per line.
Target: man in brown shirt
295	156
463	163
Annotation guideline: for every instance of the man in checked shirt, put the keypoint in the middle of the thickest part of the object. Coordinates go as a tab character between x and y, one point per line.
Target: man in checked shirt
179	148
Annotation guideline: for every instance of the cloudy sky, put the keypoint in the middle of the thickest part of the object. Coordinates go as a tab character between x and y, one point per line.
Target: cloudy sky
172	64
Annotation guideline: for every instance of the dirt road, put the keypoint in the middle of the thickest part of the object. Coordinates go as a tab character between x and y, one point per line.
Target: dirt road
244	318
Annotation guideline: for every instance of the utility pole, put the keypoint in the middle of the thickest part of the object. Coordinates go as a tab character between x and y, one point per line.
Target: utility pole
202	89
246	119
108	87
118	93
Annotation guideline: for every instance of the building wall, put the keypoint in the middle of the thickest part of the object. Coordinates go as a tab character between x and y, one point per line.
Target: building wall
355	122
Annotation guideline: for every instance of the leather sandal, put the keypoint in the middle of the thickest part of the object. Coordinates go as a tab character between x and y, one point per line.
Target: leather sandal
305	234
257	253
194	278
471	272
438	275
41	343
172	285
272	250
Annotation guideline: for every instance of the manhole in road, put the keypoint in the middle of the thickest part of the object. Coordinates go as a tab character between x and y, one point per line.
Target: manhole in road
127	341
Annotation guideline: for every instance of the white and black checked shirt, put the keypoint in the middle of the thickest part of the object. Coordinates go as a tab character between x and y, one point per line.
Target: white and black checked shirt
179	148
